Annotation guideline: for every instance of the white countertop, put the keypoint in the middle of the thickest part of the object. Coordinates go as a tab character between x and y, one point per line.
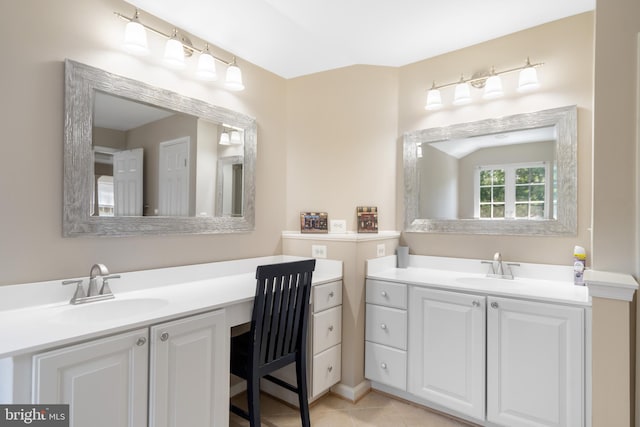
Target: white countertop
45	323
532	282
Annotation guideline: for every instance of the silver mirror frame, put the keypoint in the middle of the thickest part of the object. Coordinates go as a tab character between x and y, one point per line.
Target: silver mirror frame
565	118
81	82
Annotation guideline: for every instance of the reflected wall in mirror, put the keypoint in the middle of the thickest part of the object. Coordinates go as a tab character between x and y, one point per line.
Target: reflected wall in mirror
513	175
143	160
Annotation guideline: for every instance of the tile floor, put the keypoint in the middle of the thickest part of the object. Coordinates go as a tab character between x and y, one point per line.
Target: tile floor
374	409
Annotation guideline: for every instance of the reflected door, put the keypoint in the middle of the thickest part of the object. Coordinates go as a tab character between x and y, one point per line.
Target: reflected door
127	182
173	199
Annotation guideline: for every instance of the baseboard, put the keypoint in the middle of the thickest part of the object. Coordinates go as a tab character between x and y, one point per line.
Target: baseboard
352	393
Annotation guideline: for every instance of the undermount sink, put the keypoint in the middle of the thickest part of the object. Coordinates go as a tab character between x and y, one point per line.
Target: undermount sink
485	281
105	311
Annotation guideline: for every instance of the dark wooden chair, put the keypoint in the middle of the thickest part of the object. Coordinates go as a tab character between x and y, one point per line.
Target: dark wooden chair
278	335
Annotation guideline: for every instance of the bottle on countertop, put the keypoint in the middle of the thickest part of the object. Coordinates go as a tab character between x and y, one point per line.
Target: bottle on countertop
579	261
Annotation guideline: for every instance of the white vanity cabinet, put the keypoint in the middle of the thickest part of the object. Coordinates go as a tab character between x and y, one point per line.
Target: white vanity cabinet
535	363
179	367
104	380
498	361
447	349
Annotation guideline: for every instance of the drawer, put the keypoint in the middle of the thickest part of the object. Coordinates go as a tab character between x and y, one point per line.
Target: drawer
386	326
327	329
327	369
327	296
386	293
385	365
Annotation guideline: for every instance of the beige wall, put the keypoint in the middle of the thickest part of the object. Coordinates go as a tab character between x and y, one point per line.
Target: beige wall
566	48
31	107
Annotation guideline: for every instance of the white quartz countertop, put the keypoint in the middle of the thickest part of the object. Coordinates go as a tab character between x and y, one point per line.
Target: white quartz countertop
466	276
36	327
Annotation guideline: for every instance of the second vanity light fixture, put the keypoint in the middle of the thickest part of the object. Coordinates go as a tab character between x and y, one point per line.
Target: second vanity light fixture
177	47
490	82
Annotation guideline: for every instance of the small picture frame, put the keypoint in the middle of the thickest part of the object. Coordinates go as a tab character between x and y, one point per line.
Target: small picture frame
314	222
367	219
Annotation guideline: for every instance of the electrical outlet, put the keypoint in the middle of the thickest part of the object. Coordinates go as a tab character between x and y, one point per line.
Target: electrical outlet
318	251
382	251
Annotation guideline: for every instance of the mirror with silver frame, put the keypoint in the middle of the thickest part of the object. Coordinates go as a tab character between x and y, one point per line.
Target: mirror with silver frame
514	175
144	160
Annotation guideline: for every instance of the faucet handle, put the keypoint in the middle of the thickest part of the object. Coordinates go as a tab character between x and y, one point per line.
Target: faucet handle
106	290
497	257
79	293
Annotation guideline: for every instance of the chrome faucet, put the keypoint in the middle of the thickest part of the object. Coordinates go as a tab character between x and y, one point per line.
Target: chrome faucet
498	269
97	270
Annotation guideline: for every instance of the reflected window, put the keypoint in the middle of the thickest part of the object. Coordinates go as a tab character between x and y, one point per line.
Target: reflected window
514	191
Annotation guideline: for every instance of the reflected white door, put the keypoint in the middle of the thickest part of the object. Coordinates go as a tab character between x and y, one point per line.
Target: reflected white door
127	182
173	199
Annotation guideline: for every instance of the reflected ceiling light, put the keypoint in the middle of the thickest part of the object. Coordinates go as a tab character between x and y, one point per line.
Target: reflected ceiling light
491	82
234	77
176	49
135	37
224	139
206	66
462	94
528	79
434	98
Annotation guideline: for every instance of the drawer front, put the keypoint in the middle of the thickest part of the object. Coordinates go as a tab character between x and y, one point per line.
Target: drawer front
327	296
386	326
327	369
327	329
386	293
385	365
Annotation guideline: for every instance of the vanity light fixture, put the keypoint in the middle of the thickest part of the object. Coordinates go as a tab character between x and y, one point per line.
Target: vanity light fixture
490	82
224	138
177	48
235	138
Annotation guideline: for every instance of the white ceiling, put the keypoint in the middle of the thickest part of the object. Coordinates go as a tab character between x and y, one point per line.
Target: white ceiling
297	37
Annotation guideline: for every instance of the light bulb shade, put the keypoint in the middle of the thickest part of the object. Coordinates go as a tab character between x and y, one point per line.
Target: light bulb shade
419	151
493	88
174	54
224	139
206	67
462	94
235	137
434	100
234	78
528	80
135	38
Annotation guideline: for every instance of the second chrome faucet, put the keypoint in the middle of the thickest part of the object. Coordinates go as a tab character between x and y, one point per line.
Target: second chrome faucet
98	271
499	269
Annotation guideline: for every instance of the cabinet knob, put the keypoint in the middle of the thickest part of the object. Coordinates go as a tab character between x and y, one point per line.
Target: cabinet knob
141	341
494	305
383	326
331	294
383	365
331	328
476	303
164	336
330	368
383	293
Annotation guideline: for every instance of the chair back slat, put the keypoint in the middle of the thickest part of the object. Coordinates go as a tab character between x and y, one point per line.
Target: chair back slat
280	310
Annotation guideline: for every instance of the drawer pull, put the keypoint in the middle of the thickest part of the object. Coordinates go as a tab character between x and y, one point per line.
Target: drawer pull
476	303
331	294
164	336
383	365
330	368
141	341
383	293
331	328
494	305
383	326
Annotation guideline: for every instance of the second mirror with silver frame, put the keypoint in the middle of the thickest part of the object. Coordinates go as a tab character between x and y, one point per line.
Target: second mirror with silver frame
143	160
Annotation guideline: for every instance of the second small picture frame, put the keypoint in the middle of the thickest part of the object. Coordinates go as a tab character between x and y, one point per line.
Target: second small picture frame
367	218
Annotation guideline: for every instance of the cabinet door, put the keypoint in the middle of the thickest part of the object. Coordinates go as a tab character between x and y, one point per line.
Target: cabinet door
189	376
104	381
535	364
446	355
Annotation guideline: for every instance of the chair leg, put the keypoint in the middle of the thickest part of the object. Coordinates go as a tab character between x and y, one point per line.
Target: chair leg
301	376
253	400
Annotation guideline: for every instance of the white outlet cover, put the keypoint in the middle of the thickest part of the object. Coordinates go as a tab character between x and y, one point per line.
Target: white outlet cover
338	226
318	251
381	250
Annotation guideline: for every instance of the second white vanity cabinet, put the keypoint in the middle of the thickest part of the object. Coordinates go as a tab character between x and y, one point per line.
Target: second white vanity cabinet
178	367
522	360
